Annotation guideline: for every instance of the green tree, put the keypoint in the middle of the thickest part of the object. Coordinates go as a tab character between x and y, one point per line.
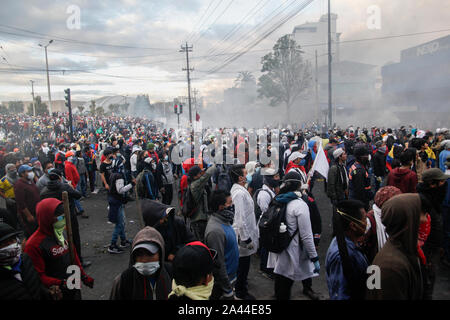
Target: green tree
16	107
92	108
286	76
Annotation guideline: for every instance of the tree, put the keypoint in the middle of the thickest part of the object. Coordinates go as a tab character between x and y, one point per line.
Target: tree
243	79
92	108
114	108
99	111
287	75
41	108
16	106
80	109
3	109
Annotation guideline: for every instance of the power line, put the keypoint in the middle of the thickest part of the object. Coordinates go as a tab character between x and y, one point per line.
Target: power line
198	21
203	23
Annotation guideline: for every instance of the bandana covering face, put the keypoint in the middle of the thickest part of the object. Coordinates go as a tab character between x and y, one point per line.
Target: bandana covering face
10	255
195	293
58	227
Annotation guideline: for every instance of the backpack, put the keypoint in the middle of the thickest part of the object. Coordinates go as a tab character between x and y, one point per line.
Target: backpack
258	211
269	228
223	180
189	206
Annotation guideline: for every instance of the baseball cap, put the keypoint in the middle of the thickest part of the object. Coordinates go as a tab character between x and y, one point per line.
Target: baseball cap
6	231
296	155
434	174
24	168
194	257
149	246
338	152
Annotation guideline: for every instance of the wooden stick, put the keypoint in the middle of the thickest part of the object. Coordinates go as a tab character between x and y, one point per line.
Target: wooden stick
141	218
65	199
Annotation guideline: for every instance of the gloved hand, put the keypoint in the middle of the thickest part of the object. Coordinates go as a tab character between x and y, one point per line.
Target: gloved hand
88	281
316	266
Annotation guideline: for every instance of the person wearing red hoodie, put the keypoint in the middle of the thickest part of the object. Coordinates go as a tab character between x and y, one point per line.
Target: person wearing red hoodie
48	249
187	165
403	177
294	161
72	175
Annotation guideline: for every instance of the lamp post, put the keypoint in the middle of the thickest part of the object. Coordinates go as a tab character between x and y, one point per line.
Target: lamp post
48	78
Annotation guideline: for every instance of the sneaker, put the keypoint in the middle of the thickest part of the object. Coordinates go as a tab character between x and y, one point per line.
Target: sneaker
125	244
115	249
248	296
311	294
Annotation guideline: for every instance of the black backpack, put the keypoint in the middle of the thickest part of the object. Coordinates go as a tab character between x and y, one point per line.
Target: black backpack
189	206
223	179
258	211
270	236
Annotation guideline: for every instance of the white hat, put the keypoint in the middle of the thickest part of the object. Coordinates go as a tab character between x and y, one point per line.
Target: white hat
338	152
446	144
136	148
296	155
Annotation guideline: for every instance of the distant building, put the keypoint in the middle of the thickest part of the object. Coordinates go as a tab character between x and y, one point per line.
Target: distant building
142	107
312	36
420	82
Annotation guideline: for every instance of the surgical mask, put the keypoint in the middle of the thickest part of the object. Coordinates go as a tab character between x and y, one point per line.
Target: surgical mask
30	175
58	228
249	178
10	255
154	166
166	158
147	268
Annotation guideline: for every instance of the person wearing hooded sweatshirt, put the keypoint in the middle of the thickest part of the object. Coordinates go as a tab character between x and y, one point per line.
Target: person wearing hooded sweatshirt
7	192
359	179
49	251
403	177
376	236
345	262
18	278
398	261
337	183
299	261
220	236
294	161
172	227
193	272
146	277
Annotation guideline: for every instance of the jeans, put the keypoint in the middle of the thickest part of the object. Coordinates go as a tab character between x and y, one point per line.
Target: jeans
119	230
81	187
283	287
242	275
78	205
264	255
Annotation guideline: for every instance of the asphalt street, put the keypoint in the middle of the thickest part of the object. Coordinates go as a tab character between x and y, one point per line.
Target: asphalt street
96	235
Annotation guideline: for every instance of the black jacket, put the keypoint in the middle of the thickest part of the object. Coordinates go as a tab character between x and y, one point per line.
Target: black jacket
379	164
337	182
30	288
54	189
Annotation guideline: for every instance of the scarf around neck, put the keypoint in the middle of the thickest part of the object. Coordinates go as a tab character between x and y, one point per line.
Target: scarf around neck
195	293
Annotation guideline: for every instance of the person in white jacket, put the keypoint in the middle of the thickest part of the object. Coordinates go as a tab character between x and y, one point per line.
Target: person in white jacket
245	227
133	160
299	261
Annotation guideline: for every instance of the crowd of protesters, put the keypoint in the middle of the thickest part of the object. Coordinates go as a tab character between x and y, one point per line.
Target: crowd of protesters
388	189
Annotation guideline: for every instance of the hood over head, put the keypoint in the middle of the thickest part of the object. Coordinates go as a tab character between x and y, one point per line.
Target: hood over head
188	164
148	235
401	217
45	212
153	211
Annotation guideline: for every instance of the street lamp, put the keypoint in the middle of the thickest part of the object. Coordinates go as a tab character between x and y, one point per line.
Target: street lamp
48	78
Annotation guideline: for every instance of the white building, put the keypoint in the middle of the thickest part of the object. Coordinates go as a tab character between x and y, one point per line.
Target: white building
312	36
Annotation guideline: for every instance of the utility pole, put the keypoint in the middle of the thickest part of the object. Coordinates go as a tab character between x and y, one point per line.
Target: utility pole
34	101
48	78
317	92
69	106
195	104
188	49
330	109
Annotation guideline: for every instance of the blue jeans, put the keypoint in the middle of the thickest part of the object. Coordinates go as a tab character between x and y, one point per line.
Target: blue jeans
119	230
81	187
78	205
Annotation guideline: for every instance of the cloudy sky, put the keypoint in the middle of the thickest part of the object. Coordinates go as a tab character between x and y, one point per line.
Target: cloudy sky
129	47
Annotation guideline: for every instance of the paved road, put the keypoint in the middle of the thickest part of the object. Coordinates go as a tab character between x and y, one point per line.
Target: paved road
96	234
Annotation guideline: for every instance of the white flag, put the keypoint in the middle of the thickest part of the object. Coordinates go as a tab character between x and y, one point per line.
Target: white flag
320	163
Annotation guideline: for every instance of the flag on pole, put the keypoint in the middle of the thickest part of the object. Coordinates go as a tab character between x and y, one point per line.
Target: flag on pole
197	116
320	163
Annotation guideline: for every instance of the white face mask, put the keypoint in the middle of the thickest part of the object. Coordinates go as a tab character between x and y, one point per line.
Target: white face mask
30	175
147	268
10	255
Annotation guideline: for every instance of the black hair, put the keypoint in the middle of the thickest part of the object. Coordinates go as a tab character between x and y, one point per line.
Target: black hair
341	224
236	171
406	157
218	198
46	163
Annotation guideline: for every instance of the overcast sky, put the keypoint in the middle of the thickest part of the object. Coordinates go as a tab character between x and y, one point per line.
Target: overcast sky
131	47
